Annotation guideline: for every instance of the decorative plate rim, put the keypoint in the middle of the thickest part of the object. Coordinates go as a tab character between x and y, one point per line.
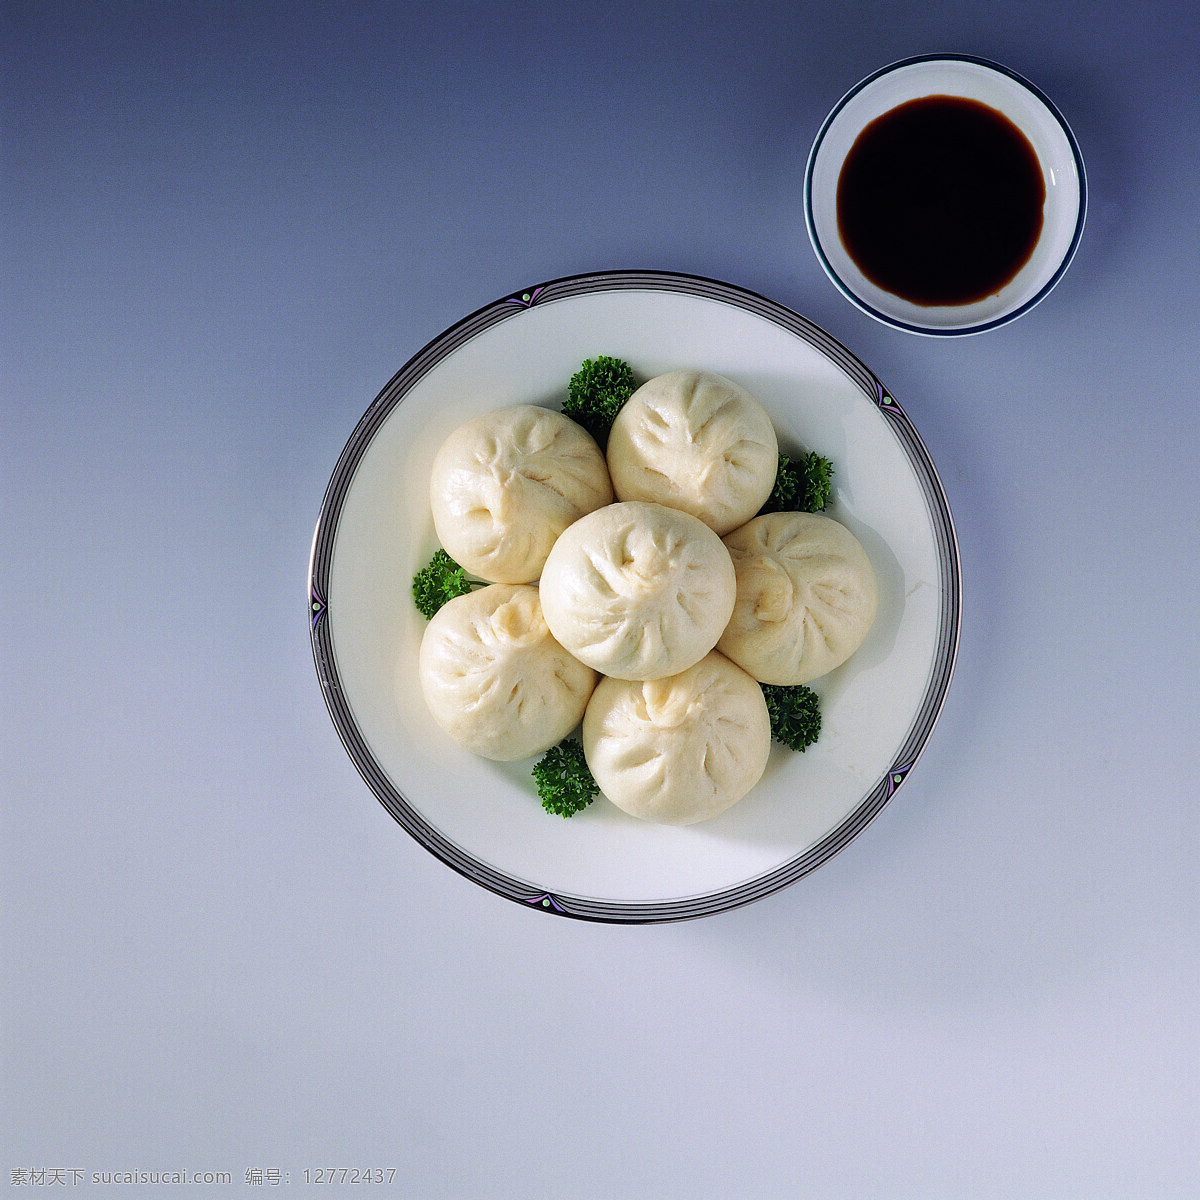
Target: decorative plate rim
524	891
961	330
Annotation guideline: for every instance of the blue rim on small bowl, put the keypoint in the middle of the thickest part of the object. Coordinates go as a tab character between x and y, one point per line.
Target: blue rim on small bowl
1022	103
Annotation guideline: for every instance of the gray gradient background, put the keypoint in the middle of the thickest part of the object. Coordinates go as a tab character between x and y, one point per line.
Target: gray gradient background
224	228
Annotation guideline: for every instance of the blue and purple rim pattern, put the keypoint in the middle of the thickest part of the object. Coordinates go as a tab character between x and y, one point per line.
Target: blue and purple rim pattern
524	891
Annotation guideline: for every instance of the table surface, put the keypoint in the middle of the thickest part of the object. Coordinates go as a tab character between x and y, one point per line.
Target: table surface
224	228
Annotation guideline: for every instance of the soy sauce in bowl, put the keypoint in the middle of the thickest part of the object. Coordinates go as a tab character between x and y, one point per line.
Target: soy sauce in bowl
940	201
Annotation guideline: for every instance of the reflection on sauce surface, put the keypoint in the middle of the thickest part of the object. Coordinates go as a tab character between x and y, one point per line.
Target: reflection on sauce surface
940	201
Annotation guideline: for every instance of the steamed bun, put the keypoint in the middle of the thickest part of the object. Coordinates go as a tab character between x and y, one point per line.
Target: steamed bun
506	484
678	750
638	591
806	597
695	441
495	679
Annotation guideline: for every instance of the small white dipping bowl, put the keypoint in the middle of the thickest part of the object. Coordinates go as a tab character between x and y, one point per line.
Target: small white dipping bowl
1015	98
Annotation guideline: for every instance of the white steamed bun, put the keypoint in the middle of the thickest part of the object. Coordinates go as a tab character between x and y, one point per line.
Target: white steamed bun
638	591
506	484
695	441
678	750
806	597
495	679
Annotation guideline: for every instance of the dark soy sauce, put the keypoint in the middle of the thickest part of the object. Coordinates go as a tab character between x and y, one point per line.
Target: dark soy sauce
940	201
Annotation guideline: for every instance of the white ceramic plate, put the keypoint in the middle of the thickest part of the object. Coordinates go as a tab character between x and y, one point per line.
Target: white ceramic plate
1064	211
484	818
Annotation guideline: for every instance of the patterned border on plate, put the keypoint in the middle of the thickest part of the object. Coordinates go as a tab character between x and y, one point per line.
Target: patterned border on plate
583	907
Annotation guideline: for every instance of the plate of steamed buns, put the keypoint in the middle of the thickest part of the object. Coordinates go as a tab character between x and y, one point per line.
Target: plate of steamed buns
634	595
